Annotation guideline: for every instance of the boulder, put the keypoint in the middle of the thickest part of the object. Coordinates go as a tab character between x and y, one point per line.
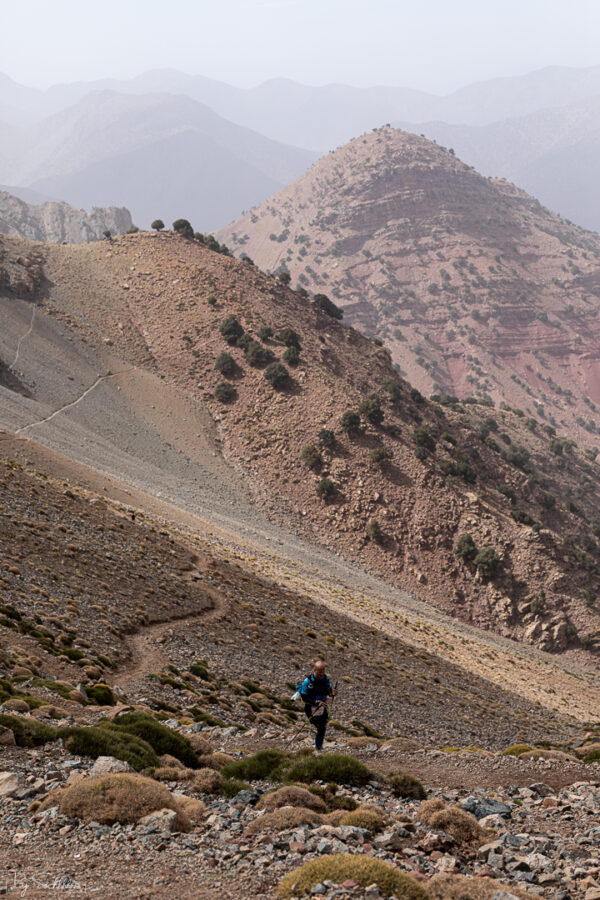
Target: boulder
107	765
7	738
10	784
481	807
163	820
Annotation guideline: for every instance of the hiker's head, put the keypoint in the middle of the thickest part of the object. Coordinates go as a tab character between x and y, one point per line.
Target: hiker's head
319	669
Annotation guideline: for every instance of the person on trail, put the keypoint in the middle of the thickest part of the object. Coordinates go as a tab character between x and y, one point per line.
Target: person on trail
314	691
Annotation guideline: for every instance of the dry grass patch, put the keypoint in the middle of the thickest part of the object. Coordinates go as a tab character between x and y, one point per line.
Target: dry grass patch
171	773
293	795
207	781
283	818
460	825
363	870
199	744
364	818
121	798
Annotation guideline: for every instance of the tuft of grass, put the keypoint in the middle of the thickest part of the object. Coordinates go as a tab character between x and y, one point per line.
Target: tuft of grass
264	764
405	785
231	786
516	750
101	695
332	767
592	757
346	867
364	818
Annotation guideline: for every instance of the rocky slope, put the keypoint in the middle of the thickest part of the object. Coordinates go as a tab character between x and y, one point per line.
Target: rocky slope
56	222
397	489
475	288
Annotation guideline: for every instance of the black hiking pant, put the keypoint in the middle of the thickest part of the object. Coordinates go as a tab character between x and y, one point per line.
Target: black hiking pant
319	722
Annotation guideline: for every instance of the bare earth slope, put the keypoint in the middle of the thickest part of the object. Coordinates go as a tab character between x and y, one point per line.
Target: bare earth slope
135	329
474	287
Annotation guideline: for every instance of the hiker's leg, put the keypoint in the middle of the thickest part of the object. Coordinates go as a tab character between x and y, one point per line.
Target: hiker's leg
321	723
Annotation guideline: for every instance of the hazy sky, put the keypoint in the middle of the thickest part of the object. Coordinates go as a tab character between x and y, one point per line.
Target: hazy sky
436	45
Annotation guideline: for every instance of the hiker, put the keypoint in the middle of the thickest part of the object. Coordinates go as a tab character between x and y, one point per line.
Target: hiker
314	691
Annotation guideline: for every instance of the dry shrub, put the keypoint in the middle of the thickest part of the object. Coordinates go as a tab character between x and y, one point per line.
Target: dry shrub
364	818
359	742
172	773
284	818
291	796
428	808
199	744
51	712
170	762
463	887
461	825
192	808
549	754
219	759
118	798
207	781
345	866
408	786
335	817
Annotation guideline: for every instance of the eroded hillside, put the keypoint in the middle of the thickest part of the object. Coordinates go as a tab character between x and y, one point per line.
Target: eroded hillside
396	486
476	288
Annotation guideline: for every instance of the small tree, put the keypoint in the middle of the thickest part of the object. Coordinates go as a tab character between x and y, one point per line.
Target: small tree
291	356
423	437
265	332
183	227
487	562
350	421
257	355
277	375
107	233
324	304
371	409
284	278
326	437
311	456
465	547
394	389
225	364
325	488
379	456
158	225
231	329
374	532
225	392
289	337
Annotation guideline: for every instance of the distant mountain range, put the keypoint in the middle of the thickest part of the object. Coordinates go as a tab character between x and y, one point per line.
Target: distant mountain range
164	143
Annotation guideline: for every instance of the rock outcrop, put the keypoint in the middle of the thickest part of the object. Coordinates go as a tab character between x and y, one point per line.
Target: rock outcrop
57	222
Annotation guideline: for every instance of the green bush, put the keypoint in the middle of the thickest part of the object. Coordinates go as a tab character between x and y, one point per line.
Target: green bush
423	437
291	356
592	757
103	741
225	364
161	739
350	421
404	785
465	547
508	491
374	532
332	767
394	389
421	453
229	787
277	375
311	456
325	488
523	518
289	337
264	764
370	409
364	870
517	749
101	695
265	332
184	228
231	329
379	456
327	306
244	341
29	732
257	355
487	561
326	437
225	392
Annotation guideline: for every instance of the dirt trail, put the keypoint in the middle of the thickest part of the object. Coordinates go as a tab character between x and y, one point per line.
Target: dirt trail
22	338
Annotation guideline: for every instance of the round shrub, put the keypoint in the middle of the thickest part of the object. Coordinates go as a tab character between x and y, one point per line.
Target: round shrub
326	437
421	453
405	785
257	355
487	562
225	392
121	798
101	695
207	781
379	456
283	818
265	332
364	870
264	764
292	795
374	532
325	488
465	547
364	818
231	329
225	364
291	356
311	456
277	375
289	337
517	749
371	409
333	767
350	421
158	225
161	739
98	741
